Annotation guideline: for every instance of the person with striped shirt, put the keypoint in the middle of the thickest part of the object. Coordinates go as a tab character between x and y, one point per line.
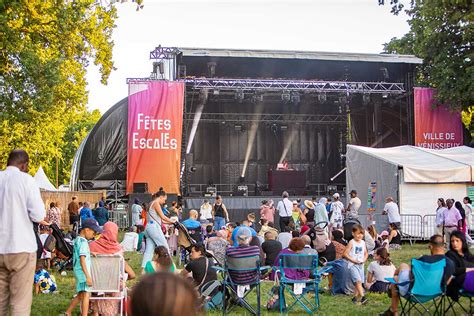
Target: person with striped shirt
243	250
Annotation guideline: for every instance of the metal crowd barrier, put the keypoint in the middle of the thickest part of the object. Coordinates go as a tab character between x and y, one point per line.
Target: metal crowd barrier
120	217
413	227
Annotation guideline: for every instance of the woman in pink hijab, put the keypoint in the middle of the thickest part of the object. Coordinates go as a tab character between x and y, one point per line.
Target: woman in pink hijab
108	244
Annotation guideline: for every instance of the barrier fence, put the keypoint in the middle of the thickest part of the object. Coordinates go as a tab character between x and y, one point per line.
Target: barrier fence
413	227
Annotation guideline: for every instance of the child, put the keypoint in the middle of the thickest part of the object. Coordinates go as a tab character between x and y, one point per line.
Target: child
378	270
46	255
141	239
356	253
210	231
44	282
251	218
82	265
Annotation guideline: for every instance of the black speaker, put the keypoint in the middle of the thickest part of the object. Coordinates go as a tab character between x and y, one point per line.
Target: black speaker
140	187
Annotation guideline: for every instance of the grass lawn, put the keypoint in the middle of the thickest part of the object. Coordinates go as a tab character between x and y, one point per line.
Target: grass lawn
49	304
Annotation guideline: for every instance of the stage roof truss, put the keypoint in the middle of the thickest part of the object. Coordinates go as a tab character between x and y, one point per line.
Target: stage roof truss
269	118
392	88
292	85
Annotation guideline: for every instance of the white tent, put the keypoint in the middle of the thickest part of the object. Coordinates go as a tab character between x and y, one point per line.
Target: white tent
42	180
416	177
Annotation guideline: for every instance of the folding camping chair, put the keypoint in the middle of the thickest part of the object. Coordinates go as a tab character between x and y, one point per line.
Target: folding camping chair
108	272
300	262
428	287
233	271
462	294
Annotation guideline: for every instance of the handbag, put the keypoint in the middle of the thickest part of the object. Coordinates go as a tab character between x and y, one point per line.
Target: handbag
273	302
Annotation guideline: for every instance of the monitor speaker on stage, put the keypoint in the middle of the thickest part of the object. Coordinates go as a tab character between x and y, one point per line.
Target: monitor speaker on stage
140	187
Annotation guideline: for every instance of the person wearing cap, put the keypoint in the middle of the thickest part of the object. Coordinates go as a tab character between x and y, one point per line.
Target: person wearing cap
353	206
336	212
391	210
82	265
284	208
136	212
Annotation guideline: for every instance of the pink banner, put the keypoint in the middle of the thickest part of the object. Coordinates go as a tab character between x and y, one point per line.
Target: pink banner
155	121
435	128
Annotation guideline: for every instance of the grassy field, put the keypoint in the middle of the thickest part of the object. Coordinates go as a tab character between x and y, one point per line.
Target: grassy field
48	304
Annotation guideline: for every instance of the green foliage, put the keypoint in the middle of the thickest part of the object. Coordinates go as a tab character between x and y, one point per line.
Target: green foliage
46	47
441	33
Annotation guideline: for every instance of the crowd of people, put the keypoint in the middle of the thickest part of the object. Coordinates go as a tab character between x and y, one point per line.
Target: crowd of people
316	226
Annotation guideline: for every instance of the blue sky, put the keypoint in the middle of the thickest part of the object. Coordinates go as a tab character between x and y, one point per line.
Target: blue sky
360	26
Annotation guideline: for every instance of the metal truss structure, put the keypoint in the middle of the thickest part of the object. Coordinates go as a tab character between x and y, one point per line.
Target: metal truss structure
164	52
269	118
295	85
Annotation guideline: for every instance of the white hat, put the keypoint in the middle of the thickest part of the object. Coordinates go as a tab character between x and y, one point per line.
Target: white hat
295	202
336	195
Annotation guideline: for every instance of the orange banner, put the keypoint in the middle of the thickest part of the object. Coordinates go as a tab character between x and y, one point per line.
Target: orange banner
435	128
155	121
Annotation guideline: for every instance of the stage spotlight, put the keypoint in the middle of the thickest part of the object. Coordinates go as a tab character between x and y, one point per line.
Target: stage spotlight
342	99
322	97
257	98
192	169
295	97
215	92
284	127
238	127
241	179
286	96
384	95
366	98
239	95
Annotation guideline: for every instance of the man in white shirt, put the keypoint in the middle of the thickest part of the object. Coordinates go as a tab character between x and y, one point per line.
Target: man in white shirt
353	207
284	209
391	209
20	206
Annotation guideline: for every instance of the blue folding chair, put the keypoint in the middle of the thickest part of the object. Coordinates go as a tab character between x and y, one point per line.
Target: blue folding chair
300	262
243	271
427	290
452	303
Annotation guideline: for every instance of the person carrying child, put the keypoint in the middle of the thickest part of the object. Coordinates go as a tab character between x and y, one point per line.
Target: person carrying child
82	265
356	253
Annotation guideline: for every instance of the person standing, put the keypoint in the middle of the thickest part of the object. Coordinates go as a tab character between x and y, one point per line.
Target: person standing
354	205
136	211
101	214
267	211
391	209
469	226
440	216
73	208
284	208
20	206
451	218
206	212
86	212
219	214
337	209
153	232
53	215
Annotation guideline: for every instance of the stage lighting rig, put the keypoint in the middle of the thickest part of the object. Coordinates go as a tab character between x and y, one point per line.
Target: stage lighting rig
239	95
322	97
366	98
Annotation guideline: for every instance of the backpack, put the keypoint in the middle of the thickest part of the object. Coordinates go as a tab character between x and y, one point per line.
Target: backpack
212	295
318	238
50	243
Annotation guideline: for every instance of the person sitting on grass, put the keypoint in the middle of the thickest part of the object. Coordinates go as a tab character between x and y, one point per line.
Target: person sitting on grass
403	273
394	238
200	267
44	282
82	265
356	254
379	269
161	261
339	243
266	227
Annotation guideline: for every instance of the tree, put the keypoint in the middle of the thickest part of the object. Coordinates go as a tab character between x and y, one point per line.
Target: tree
46	47
441	33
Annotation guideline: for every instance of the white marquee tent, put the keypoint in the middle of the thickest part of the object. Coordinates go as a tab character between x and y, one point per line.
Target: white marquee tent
42	180
416	177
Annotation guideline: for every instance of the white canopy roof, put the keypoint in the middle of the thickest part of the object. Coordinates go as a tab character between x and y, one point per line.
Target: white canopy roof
42	180
423	165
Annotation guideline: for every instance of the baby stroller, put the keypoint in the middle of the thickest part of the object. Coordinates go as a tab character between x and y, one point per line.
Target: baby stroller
186	240
64	249
321	243
347	225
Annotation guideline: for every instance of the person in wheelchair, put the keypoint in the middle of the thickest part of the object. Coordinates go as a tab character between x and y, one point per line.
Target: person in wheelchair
403	273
